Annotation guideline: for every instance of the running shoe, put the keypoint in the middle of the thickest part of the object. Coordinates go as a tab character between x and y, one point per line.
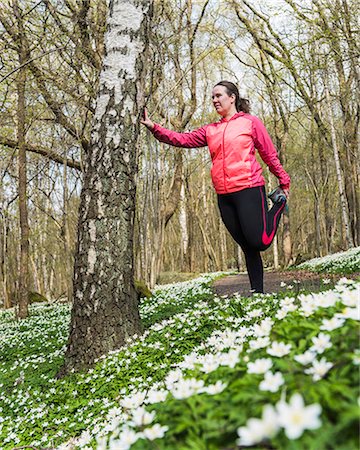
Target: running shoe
277	195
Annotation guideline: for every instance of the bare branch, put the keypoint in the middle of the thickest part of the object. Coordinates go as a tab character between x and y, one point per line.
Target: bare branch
44	152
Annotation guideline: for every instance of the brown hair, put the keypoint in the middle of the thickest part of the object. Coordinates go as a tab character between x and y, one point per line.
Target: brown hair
241	104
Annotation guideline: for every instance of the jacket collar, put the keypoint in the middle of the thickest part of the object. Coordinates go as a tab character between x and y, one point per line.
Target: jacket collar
235	116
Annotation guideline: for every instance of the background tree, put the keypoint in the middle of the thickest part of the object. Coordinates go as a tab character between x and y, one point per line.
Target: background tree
281	56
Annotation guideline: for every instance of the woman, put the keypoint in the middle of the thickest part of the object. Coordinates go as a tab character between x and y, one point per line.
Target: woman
236	174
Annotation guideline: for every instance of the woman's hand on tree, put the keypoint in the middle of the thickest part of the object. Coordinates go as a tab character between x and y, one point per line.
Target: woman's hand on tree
146	121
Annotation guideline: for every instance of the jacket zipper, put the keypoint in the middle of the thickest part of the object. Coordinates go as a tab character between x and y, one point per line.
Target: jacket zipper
224	156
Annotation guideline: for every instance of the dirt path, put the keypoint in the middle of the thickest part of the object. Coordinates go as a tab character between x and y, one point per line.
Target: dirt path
273	280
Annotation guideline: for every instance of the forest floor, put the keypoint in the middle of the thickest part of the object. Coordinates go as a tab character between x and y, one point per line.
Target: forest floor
277	281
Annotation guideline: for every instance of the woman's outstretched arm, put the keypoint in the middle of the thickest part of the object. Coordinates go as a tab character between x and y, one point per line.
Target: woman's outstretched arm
192	139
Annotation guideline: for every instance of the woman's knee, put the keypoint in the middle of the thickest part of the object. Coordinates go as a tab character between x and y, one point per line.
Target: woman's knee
256	243
260	240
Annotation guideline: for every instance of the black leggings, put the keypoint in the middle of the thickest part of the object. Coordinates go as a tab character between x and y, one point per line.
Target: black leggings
246	216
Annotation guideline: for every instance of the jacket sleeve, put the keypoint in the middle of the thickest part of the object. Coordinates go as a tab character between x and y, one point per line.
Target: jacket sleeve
268	153
192	139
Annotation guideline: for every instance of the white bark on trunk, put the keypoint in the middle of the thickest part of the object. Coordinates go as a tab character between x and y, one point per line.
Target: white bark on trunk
105	311
183	221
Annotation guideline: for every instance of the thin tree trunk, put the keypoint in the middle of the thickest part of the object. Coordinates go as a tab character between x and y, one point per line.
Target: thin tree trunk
286	232
23	310
343	200
183	226
66	238
223	248
239	258
190	260
4	265
208	247
327	220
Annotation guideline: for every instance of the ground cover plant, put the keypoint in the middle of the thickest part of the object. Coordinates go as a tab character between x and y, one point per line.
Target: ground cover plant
341	262
275	370
36	409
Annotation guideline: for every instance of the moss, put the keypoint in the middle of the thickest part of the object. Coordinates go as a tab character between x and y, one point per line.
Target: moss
35	297
142	290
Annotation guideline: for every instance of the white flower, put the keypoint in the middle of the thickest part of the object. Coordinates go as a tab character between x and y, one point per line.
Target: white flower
210	363
155	396
186	388
345	281
351	298
133	401
252	433
356	357
308	308
114	412
260	342
286	306
326	299
155	432
214	389
140	416
101	442
308	304
264	328
189	361
306	358
282	284
294	417
287	301
258	429
279	349
255	313
321	343
332	324
281	314
326	280
270	421
319	369
85	438
172	377
126	438
230	359
260	365
227	338
350	313
290	308
272	382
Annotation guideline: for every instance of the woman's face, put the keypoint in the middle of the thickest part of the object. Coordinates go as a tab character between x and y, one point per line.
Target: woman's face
222	102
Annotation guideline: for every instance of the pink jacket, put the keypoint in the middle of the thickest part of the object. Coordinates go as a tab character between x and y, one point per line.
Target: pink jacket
232	143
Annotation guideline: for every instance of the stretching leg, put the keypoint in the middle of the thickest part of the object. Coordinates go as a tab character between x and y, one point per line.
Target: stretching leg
258	224
253	259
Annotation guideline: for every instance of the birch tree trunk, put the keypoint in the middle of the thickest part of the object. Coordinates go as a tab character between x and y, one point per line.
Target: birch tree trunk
183	223
105	310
